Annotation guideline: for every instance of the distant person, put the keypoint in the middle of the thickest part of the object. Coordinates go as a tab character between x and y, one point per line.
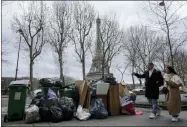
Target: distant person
153	80
173	98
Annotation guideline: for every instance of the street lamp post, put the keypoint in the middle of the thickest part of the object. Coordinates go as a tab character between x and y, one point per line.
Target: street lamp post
162	3
20	31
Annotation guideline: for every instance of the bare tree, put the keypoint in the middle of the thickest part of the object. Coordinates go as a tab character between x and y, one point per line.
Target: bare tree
111	40
31	24
166	19
180	59
60	25
141	46
5	51
122	69
83	20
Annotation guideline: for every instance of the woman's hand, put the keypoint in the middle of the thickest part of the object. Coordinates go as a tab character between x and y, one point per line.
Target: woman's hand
167	83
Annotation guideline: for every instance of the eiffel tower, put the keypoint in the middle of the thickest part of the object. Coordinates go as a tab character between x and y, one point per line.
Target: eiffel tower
96	67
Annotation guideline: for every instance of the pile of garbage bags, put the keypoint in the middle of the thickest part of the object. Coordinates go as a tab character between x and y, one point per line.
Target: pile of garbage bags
51	82
50	109
53	109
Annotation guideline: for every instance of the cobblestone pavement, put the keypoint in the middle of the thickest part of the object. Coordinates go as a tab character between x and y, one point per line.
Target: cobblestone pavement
122	120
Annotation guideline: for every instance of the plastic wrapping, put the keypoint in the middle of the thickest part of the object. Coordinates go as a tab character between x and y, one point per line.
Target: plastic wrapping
127	104
68	107
51	82
57	115
36	100
81	114
45	106
51	94
32	114
98	110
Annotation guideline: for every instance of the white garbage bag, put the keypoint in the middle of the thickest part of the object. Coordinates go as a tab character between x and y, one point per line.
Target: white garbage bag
32	114
81	114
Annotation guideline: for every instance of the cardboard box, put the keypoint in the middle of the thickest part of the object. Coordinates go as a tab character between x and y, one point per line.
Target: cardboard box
114	101
83	89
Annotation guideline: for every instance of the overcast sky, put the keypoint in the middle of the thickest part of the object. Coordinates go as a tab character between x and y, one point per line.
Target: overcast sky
128	13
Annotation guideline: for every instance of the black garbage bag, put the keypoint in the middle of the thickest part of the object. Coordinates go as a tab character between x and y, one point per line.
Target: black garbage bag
97	109
68	113
68	107
45	114
111	80
36	100
51	82
57	115
49	102
45	109
59	83
94	89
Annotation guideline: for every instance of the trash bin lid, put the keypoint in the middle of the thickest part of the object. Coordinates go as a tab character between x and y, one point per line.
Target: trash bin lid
20	82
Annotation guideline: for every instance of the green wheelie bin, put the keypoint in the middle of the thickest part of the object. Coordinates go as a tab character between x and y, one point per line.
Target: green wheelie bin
69	91
45	90
17	100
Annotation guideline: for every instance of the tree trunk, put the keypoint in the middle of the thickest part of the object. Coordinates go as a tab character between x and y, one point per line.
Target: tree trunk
31	65
133	77
83	66
83	70
61	67
31	74
108	70
140	81
168	37
103	68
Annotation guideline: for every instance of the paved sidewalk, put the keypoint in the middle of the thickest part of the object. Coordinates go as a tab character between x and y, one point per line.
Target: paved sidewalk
122	120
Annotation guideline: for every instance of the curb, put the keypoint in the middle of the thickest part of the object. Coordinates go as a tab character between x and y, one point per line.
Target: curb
164	107
160	93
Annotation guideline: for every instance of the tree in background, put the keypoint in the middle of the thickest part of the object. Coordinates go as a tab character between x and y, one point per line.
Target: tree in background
141	46
60	30
83	20
164	17
31	24
180	59
111	41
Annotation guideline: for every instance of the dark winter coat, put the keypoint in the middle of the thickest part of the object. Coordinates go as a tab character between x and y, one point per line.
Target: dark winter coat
152	83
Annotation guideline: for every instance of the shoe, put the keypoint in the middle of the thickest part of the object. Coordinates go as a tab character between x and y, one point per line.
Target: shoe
175	119
158	112
152	116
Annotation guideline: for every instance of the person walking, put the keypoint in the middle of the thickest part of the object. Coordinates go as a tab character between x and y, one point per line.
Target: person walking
172	82
153	80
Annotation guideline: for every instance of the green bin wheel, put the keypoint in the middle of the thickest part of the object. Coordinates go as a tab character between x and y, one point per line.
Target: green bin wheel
5	118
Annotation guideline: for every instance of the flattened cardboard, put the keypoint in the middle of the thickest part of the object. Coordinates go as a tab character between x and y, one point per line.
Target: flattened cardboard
83	87
114	101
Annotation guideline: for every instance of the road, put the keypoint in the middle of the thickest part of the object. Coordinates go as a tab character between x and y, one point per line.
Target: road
142	99
122	120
